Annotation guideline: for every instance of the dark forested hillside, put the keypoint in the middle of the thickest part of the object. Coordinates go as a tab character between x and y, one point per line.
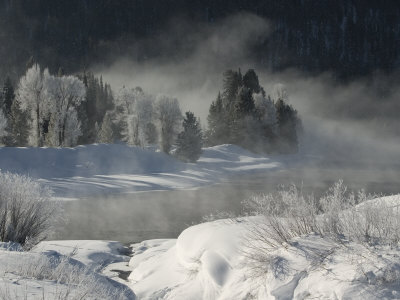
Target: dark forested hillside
350	37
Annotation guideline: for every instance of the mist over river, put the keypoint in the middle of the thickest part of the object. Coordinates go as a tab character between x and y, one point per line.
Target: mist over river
141	216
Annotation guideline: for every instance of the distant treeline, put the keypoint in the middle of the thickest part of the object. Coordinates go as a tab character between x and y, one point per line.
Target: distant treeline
350	37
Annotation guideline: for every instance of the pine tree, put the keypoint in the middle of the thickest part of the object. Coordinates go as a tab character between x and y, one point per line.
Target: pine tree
99	100
189	141
218	131
244	104
8	96
232	83
18	125
287	123
250	80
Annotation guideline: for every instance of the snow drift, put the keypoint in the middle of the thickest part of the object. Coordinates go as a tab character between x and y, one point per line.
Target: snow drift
210	261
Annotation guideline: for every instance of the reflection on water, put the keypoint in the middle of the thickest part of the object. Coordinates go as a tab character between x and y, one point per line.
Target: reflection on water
164	214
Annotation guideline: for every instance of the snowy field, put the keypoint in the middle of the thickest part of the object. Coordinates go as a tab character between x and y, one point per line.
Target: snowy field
104	169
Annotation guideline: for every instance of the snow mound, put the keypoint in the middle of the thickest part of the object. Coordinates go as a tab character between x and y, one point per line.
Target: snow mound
92	253
211	261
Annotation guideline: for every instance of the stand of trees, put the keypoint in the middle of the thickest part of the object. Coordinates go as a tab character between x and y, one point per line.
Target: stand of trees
243	115
64	111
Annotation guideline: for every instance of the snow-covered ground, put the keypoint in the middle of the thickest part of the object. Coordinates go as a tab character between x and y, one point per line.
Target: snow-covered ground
210	261
102	169
63	270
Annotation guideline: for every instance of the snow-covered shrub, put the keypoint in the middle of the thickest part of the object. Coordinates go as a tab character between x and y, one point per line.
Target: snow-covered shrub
218	215
287	214
27	213
339	215
69	279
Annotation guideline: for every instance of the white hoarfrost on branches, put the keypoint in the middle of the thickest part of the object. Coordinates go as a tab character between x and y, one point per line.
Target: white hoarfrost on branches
339	216
52	102
136	115
27	213
64	94
31	95
169	116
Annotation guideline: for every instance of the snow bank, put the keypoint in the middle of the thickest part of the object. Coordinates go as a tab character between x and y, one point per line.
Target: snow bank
211	261
102	168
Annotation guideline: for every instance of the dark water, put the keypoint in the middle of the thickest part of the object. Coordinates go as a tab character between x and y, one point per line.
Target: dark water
164	214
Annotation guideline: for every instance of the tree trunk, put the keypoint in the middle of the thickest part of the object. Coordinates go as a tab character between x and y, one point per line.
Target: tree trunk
38	142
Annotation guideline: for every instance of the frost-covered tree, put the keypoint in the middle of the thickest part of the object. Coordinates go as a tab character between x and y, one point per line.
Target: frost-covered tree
65	94
31	94
136	114
169	116
105	134
190	140
144	112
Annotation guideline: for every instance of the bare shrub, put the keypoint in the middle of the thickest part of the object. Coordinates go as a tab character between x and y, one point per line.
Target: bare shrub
27	213
340	215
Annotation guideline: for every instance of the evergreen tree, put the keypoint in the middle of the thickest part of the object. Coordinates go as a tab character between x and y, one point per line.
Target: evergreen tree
8	96
18	125
218	130
250	80
189	141
244	104
99	100
287	127
244	116
232	83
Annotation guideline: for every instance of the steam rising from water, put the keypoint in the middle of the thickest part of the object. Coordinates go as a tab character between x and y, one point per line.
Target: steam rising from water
357	120
351	130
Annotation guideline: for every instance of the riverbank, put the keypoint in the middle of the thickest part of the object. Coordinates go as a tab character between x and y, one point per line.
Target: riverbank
104	169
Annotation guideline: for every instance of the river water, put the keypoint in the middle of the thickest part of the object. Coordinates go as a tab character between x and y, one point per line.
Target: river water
140	216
